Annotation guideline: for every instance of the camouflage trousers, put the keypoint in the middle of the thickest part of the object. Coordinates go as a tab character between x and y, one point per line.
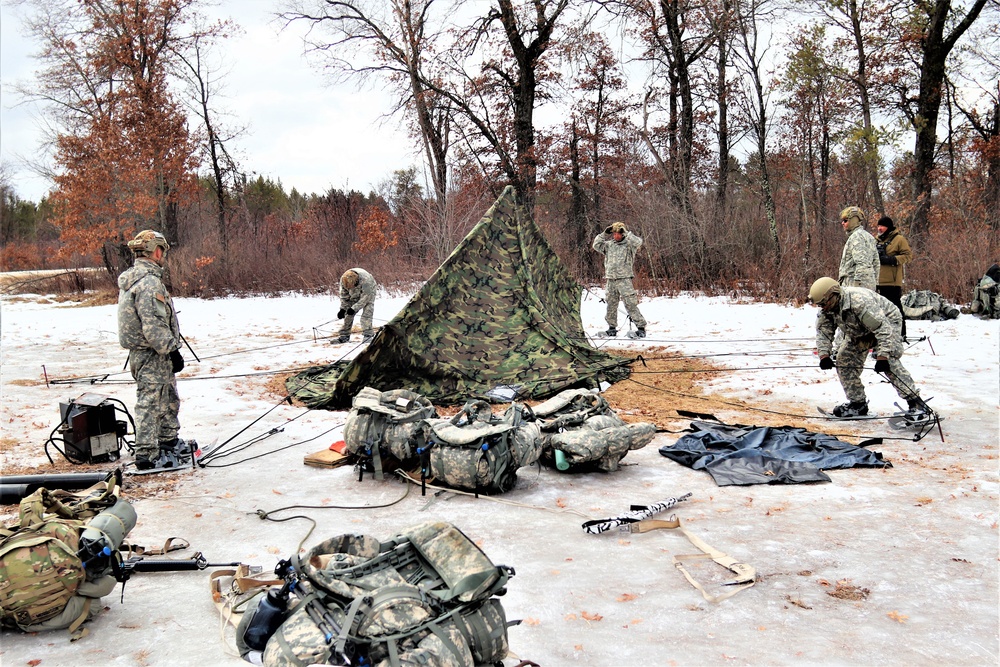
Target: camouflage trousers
851	359
620	289
366	320
156	401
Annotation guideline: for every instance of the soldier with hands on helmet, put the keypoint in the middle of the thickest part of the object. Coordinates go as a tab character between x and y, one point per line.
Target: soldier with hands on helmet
867	321
148	329
859	265
893	253
619	246
357	293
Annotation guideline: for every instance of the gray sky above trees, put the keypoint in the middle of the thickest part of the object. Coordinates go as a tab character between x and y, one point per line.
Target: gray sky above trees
300	129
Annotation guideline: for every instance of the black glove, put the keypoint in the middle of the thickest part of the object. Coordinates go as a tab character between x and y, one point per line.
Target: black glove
177	361
882	366
607	230
340	314
826	363
887	260
351	311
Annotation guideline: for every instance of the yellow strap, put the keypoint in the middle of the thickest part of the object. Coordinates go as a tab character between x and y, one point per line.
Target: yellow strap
74	631
746	575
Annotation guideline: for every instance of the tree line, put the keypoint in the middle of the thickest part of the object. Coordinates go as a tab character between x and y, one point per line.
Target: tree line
727	133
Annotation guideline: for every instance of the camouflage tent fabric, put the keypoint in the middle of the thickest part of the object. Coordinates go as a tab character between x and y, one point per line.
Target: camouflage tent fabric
498	320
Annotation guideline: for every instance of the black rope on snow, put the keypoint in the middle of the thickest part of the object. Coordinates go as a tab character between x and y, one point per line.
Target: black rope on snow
764	410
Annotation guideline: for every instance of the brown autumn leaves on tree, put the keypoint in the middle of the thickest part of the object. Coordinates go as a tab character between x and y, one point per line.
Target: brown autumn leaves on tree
124	157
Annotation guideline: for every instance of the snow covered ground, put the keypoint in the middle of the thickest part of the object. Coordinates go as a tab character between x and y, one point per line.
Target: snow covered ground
909	553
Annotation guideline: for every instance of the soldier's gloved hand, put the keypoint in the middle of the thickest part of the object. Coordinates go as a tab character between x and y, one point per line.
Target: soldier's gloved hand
881	365
177	361
607	230
340	314
826	363
887	260
350	311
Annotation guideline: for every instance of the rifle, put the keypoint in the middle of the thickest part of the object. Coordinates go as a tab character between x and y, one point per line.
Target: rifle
122	569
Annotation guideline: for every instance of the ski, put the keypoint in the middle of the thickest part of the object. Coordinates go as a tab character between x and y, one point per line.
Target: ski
902	422
182	457
826	413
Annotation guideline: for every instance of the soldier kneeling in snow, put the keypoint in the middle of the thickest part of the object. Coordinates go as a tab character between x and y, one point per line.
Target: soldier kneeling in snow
867	320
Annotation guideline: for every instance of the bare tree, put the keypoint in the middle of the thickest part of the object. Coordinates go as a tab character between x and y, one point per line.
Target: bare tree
393	41
752	54
935	30
204	83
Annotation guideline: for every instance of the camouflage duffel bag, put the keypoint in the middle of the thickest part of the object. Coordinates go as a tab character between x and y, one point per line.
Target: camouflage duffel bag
424	597
381	427
581	431
477	451
43	582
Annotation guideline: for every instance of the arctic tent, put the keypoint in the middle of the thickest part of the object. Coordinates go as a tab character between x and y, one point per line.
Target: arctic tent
498	320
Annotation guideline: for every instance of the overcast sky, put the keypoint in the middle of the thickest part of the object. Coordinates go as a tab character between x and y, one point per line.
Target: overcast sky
301	130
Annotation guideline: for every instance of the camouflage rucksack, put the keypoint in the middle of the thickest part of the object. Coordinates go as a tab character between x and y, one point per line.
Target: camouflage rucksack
43	582
478	451
579	428
986	295
424	597
927	305
381	428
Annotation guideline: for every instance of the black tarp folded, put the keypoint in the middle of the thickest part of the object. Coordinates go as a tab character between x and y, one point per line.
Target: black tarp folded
743	455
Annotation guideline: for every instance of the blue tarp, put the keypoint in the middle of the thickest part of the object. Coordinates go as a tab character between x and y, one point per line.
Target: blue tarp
744	455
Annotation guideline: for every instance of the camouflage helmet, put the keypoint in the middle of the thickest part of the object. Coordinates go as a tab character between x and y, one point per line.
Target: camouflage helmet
146	242
822	289
350	279
852	212
618	228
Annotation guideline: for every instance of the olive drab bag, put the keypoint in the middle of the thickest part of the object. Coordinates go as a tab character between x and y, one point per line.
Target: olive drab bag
478	451
986	294
43	582
580	430
424	597
381	427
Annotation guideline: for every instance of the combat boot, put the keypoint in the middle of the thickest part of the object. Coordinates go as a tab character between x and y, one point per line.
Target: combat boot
344	339
610	333
638	333
852	409
916	408
143	463
367	337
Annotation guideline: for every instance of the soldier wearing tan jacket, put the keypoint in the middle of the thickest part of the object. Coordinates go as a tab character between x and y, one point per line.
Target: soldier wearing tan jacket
893	253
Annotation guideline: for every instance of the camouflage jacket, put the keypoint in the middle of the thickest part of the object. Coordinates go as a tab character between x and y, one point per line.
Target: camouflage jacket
895	245
859	263
361	295
146	318
864	317
618	255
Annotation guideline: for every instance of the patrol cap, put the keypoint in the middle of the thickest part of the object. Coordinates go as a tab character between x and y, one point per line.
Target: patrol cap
822	289
350	279
147	241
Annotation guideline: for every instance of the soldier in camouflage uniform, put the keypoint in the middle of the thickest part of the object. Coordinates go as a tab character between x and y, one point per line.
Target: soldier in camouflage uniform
147	328
357	292
619	246
859	264
867	320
